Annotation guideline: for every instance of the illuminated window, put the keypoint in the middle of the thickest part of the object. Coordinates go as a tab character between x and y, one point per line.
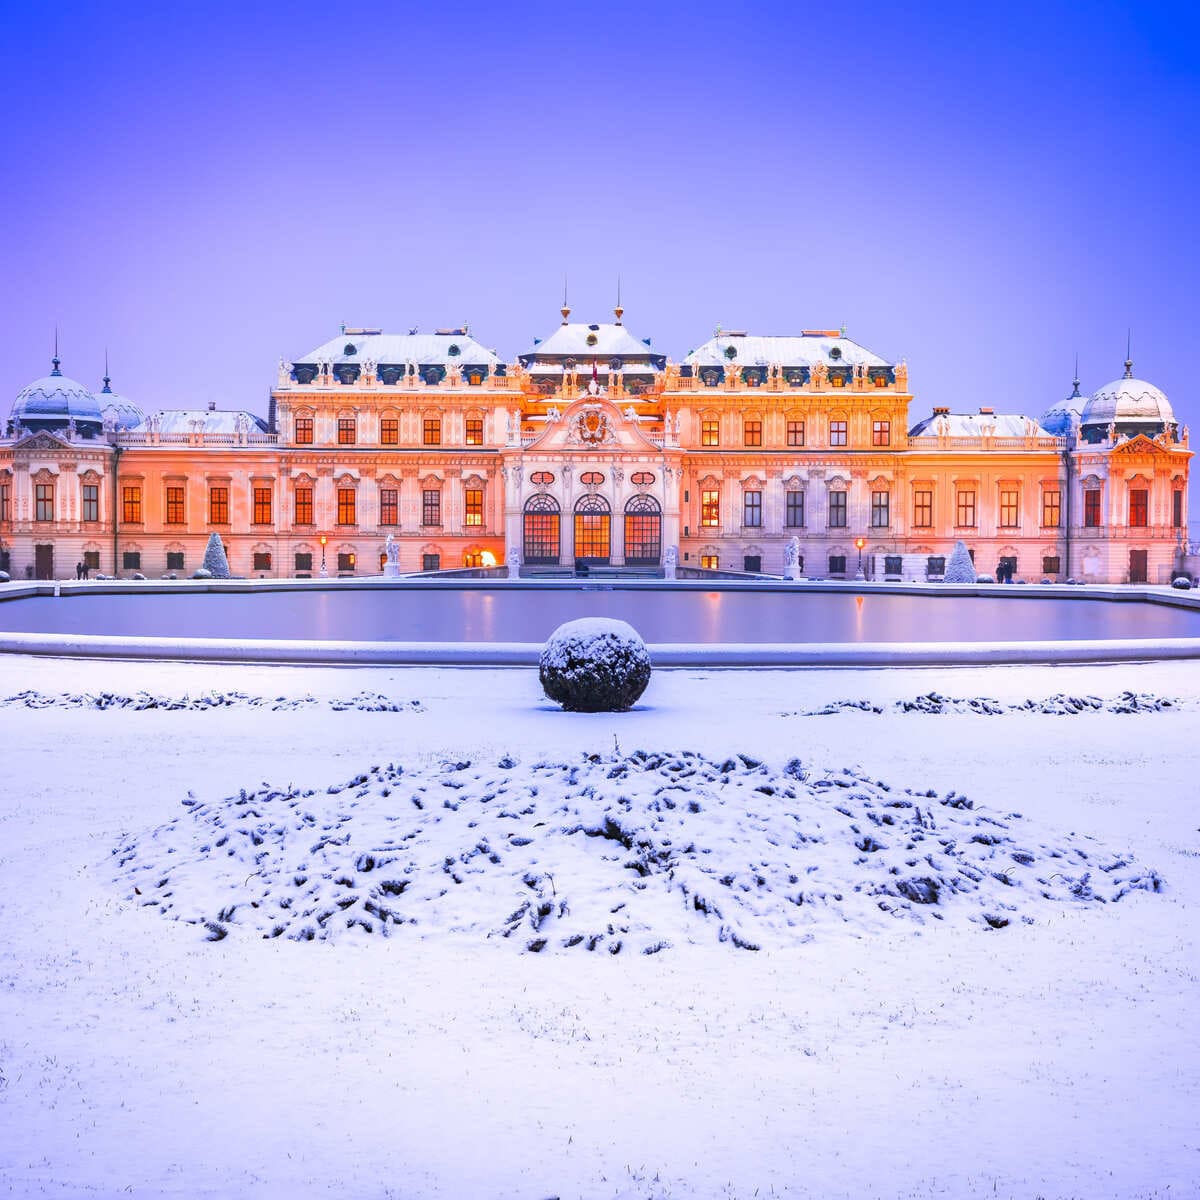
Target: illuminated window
346	510
709	562
881	515
752	433
837	433
752	508
218	506
389	507
591	479
389	431
710	507
346	562
91	502
431	506
544	478
542	526
175	511
304	431
965	509
472	558
431	431
474	506
44	499
1010	508
837	510
881	433
1091	508
262	506
304	506
710	432
923	508
1052	509
474	431
837	381
879	380
1139	507
795	433
795	510
131	504
347	431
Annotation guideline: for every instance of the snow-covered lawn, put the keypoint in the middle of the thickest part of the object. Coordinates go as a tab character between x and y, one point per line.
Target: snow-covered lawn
867	1049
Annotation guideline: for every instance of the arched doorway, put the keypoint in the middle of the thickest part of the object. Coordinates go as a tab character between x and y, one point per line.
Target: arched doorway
593	528
541	532
643	531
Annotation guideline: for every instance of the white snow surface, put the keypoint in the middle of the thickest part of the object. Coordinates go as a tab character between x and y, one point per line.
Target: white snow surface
858	1053
590	637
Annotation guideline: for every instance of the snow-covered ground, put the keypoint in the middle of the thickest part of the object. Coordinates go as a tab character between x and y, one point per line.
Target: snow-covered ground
867	1049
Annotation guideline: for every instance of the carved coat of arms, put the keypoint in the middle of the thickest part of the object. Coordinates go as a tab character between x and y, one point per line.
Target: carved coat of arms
591	427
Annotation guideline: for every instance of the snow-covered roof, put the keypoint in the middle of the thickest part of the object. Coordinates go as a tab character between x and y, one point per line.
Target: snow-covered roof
788	350
1062	414
117	410
55	397
972	425
1126	401
183	420
356	346
608	341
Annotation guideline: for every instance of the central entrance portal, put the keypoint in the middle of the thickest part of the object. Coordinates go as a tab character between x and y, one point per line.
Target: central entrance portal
593	530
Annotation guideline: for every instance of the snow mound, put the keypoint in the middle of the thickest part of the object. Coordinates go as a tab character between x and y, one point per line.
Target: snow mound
620	853
1058	705
206	701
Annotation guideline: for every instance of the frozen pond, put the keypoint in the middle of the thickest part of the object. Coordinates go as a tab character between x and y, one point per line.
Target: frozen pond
515	613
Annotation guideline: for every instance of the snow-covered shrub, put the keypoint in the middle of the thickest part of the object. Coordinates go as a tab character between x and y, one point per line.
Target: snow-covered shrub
5	577
138	575
1182	582
985	579
959	567
215	562
595	665
202	573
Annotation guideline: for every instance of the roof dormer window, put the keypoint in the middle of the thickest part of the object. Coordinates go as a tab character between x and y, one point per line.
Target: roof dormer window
454	349
349	350
835	352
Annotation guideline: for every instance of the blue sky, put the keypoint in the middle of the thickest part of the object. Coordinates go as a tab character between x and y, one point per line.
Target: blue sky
983	189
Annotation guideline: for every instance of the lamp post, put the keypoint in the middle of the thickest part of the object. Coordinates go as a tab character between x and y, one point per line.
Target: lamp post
324	569
859	543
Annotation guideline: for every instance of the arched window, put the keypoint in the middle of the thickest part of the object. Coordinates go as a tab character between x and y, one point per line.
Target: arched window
643	531
542	521
593	524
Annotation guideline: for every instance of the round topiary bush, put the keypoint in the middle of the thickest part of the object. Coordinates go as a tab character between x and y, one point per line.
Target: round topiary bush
985	579
5	577
202	573
1182	582
595	665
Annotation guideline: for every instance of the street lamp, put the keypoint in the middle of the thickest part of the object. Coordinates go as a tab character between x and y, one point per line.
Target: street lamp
859	543
324	569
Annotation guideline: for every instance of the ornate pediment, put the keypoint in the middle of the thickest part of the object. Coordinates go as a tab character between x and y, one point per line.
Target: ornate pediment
43	440
592	424
1139	445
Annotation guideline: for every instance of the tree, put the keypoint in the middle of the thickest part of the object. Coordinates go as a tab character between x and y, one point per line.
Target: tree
960	568
215	560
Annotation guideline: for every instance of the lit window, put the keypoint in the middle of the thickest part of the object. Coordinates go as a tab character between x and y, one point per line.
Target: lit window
837	510
218	506
262	506
431	431
131	504
837	381
347	431
709	562
472	558
474	506
389	508
880	510
837	433
346	510
879	380
474	431
752	508
1091	508
752	433
795	433
710	432
1010	508
175	505
710	507
881	433
795	510
1139	507
304	431
1051	509
304	506
346	562
965	509
922	508
389	431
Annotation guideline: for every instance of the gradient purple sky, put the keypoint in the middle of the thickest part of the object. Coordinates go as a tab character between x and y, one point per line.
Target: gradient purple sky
984	190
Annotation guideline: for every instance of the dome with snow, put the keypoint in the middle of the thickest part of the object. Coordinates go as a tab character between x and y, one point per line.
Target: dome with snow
116	410
55	401
1132	405
1063	414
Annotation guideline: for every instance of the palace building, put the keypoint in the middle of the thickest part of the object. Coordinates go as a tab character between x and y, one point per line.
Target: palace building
593	447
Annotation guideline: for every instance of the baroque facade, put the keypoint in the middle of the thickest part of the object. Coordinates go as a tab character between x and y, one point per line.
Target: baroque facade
593	447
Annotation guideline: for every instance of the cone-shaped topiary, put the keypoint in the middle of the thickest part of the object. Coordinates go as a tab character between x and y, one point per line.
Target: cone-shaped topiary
215	561
595	665
960	568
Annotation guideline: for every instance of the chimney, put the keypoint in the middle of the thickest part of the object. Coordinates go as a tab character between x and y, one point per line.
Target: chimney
987	412
212	406
940	411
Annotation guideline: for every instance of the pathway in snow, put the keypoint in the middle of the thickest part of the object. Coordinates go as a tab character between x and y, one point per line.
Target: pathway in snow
618	853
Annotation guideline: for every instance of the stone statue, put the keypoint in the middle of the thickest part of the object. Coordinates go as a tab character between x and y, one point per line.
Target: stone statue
553	415
791	559
391	568
670	562
285	374
512	559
